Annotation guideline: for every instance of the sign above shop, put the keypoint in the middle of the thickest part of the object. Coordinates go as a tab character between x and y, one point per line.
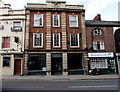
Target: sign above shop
107	54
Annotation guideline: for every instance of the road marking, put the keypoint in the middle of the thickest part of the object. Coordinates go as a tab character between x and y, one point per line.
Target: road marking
93	86
24	87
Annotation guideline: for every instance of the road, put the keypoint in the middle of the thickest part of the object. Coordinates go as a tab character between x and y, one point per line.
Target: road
60	85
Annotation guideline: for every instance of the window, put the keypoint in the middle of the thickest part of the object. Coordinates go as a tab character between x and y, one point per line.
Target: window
56	20
74	40
38	20
98	63
37	64
97	31
6	61
98	45
56	39
17	26
1	27
73	20
6	42
38	40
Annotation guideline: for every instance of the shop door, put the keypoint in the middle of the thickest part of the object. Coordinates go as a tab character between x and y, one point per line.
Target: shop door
17	66
56	64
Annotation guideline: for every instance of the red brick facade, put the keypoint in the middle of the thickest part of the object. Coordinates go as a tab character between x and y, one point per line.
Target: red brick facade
55	29
107	37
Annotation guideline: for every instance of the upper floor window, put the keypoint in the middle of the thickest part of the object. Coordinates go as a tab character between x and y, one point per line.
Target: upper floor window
56	20
6	42
97	31
74	40
56	39
6	61
38	40
38	20
17	26
1	27
98	45
73	20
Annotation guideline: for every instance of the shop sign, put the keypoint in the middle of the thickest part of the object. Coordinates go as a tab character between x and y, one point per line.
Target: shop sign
108	54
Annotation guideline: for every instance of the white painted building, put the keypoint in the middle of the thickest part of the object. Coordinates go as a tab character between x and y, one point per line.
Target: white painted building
12	27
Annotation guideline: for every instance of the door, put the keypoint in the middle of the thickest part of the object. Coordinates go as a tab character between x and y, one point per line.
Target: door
56	64
17	68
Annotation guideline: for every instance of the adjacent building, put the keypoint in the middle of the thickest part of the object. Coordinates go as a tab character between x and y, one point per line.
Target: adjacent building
12	25
101	45
55	39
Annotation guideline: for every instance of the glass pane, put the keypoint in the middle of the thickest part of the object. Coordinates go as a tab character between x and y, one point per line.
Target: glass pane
6	61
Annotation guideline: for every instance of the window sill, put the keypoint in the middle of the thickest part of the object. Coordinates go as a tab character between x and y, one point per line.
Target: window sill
38	26
5	67
56	26
6	48
74	47
56	47
38	47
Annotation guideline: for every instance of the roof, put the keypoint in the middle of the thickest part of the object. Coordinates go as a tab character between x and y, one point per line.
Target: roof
90	23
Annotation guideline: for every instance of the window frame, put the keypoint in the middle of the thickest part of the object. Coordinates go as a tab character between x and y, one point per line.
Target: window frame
98	63
54	40
77	39
73	21
98	30
9	61
14	27
101	43
3	38
58	20
1	27
34	40
37	20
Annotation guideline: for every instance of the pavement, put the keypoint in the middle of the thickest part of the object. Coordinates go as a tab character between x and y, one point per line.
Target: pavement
62	77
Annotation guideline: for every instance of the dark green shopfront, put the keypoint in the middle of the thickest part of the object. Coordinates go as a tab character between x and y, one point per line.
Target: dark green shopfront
105	62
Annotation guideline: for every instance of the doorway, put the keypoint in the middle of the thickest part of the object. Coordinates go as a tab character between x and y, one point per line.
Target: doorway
56	64
17	69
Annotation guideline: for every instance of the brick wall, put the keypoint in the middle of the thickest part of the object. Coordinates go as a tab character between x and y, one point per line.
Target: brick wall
107	36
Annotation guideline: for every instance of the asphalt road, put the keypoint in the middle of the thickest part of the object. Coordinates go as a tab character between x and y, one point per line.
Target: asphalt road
60	85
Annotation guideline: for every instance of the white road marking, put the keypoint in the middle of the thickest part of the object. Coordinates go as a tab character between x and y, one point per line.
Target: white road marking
93	86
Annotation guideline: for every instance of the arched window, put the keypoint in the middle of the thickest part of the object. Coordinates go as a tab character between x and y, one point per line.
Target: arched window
97	31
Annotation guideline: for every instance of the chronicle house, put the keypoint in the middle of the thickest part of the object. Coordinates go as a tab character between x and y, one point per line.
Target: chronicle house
55	39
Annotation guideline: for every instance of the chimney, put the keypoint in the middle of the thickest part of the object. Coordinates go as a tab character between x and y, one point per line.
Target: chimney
97	18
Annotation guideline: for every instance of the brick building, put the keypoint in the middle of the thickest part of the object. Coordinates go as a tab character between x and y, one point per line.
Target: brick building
55	39
101	45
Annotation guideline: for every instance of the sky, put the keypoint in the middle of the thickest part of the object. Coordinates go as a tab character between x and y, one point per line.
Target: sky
107	8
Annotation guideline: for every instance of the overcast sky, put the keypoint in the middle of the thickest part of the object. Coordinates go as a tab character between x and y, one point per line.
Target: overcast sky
107	8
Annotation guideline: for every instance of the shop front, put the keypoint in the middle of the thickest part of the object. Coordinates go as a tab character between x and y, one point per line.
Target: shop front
75	64
104	61
37	64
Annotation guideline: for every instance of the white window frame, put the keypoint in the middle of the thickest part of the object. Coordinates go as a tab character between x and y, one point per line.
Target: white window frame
17	26
54	40
98	63
99	31
70	16
102	45
77	39
34	40
58	20
38	20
